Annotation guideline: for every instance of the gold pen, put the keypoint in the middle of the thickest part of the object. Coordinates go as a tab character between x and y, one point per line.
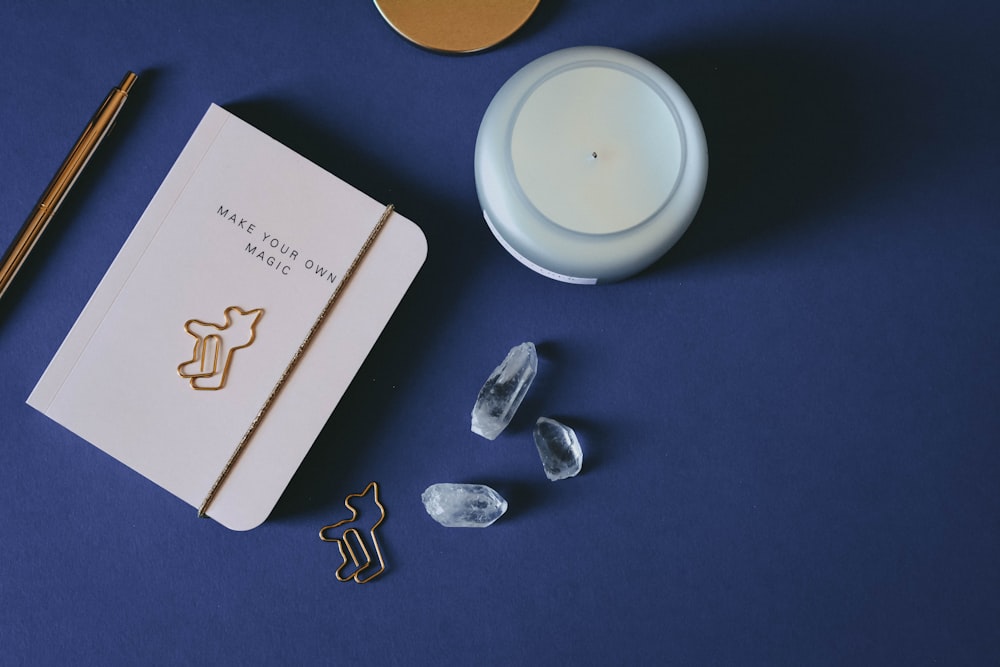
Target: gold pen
74	163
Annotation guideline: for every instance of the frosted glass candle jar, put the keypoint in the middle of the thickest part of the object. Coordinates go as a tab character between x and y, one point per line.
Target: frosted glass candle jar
590	164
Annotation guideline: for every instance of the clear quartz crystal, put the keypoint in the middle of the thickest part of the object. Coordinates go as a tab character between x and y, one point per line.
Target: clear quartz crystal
463	505
558	448
504	390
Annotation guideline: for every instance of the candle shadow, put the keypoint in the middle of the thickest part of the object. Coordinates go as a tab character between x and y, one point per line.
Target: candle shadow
781	124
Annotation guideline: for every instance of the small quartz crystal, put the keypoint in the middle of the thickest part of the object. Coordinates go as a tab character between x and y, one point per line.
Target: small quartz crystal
504	390
463	505
558	448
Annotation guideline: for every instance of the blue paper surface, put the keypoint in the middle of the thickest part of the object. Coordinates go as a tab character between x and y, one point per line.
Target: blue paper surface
789	423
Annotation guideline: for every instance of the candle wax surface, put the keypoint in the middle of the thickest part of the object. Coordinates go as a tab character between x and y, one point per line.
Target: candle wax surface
596	149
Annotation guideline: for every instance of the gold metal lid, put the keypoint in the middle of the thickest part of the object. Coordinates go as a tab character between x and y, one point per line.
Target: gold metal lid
456	26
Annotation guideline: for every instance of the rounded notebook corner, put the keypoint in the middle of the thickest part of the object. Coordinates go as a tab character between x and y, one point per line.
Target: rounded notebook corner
240	523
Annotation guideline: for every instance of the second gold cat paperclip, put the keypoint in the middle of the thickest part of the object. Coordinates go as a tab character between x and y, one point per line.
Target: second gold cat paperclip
352	533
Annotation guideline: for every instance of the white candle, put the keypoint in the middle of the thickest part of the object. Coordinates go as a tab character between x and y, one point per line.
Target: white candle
590	164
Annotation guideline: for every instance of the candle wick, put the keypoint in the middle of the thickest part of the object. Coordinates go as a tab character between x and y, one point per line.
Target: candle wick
594	154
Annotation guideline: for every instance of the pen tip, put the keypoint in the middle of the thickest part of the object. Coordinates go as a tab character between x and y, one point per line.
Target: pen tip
127	82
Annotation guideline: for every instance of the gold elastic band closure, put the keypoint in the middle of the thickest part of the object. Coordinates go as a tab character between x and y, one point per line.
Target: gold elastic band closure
244	441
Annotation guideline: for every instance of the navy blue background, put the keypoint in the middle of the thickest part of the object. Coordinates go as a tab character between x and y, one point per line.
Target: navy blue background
790	423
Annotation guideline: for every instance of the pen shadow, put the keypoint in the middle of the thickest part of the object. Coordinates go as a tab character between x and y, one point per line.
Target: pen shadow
351	435
82	190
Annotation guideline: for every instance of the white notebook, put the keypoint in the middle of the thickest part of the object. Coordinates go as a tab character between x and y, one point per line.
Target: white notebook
205	305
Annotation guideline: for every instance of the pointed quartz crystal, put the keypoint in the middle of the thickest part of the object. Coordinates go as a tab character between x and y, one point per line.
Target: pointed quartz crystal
504	390
463	505
558	448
